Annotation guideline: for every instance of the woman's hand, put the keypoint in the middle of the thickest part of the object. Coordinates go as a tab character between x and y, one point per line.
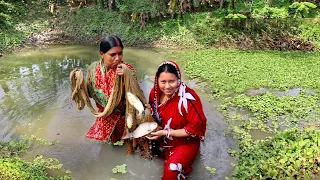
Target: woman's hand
119	70
156	135
147	106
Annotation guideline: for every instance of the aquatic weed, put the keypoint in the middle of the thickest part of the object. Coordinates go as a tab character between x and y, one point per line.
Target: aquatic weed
13	166
256	88
120	169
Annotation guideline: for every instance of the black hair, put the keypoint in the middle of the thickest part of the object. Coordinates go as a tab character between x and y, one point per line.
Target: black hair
109	42
167	68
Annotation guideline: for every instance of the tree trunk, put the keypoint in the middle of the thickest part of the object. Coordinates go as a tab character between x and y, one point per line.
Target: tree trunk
52	5
192	5
111	4
221	3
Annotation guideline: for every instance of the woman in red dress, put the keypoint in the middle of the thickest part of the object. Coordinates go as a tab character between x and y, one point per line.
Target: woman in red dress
100	81
178	110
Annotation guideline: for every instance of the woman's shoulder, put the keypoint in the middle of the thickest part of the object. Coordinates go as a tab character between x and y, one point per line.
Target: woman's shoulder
151	95
93	65
193	93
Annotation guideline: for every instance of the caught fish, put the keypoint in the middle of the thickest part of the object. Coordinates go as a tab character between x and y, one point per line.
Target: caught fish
142	130
129	121
147	112
136	103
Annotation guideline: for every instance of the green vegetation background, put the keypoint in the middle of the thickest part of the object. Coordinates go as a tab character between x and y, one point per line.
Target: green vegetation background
256	83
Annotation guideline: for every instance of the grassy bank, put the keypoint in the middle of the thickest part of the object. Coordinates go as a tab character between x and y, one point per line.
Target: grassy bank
279	26
264	91
21	20
194	30
259	24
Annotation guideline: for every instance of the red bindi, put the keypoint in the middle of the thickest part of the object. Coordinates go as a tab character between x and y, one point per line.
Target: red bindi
117	44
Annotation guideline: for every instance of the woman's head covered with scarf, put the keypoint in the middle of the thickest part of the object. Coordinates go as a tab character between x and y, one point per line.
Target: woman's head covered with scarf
169	88
178	110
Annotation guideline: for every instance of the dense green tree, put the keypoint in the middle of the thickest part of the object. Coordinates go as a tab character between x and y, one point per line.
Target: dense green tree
5	9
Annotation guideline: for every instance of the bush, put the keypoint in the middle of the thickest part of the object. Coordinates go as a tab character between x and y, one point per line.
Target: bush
270	12
310	30
302	9
5	9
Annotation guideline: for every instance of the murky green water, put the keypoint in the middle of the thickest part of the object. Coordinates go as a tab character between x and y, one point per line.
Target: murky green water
35	100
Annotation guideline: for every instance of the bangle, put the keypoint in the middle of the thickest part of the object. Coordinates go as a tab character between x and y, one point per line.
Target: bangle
168	133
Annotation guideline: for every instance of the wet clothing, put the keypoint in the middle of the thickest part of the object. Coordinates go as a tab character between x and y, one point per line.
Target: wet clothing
100	84
183	110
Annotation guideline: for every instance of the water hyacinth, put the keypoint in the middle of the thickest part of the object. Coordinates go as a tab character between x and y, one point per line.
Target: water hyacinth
264	91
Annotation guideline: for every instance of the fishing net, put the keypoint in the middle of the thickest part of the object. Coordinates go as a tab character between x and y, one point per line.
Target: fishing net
122	84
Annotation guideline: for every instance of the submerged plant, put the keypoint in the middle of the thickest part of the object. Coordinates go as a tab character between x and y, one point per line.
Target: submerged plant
211	170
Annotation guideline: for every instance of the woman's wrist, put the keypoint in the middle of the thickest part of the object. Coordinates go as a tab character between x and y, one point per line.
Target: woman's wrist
168	132
165	132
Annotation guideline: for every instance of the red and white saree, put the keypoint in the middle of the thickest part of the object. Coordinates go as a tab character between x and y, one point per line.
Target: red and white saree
100	84
183	110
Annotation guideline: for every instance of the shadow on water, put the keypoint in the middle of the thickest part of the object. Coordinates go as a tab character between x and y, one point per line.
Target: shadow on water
35	100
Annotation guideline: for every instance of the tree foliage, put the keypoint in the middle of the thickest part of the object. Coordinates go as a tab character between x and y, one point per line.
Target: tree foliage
302	9
5	9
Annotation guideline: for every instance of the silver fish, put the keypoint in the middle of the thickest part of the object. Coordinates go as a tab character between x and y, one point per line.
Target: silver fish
129	121
136	103
142	130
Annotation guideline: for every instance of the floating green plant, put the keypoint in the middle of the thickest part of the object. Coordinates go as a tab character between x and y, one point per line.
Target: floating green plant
265	91
120	169
13	166
211	170
292	153
119	143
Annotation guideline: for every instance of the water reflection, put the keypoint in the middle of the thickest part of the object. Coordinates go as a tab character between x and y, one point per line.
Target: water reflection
33	88
35	100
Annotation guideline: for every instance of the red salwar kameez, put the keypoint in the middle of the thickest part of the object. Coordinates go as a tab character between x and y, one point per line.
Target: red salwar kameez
100	84
183	110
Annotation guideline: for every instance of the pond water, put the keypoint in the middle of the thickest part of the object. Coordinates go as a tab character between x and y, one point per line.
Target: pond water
35	100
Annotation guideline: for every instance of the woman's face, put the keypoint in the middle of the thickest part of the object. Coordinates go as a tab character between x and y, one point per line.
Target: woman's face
112	58
168	83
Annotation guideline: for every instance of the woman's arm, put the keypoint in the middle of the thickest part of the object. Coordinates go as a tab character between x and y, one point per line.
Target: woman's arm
196	126
169	133
177	133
